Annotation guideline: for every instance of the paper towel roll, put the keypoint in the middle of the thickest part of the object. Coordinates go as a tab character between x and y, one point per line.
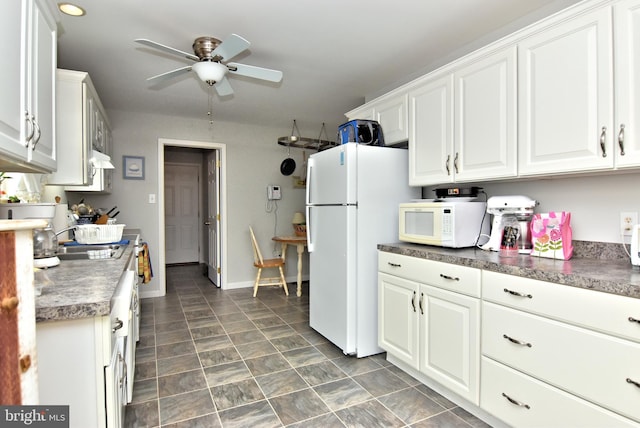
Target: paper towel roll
60	221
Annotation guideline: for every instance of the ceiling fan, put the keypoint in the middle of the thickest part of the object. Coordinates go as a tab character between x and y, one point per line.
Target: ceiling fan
211	56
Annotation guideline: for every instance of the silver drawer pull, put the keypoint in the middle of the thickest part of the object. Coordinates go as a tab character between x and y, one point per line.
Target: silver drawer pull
449	277
633	382
118	325
394	264
420	302
517	342
413	301
516	402
515	293
632	319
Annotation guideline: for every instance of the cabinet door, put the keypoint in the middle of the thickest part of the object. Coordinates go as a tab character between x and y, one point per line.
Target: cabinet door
565	97
450	340
485	118
12	105
398	318
431	132
627	86
41	89
391	114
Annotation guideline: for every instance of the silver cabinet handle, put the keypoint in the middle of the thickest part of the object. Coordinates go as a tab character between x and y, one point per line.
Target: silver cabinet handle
413	301
516	402
603	140
452	278
517	342
420	302
621	139
632	319
633	382
30	126
394	264
38	134
207	223
455	163
515	293
446	164
119	324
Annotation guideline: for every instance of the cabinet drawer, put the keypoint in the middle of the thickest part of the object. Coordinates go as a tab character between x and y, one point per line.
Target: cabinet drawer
547	406
608	313
460	279
590	364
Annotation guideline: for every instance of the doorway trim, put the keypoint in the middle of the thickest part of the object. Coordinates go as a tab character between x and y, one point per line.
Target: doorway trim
222	148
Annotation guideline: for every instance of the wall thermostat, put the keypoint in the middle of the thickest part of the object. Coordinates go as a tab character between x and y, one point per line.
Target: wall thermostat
273	192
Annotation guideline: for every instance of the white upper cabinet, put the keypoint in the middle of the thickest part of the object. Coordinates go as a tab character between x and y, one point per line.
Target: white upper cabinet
82	127
565	97
392	116
626	132
463	122
390	111
431	131
27	85
485	119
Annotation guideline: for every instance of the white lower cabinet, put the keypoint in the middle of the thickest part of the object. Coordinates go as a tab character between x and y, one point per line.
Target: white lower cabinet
426	325
524	352
526	336
523	401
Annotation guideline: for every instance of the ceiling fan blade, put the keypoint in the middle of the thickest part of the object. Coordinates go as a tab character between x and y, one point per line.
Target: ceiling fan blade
223	87
169	74
230	47
255	72
168	49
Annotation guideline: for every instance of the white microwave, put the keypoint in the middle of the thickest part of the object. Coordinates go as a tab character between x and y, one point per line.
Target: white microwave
455	224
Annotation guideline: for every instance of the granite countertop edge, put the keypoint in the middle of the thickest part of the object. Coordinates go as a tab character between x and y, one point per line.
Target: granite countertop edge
615	276
80	288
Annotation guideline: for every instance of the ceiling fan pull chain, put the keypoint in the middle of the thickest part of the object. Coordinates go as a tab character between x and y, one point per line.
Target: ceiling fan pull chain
210	105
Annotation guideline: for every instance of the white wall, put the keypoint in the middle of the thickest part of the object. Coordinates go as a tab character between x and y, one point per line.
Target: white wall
253	161
595	202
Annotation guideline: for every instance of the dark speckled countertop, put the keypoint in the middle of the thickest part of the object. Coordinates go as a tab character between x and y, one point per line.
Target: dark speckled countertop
80	288
615	275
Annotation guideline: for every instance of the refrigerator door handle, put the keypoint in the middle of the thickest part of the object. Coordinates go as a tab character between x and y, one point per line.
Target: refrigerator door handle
310	163
310	243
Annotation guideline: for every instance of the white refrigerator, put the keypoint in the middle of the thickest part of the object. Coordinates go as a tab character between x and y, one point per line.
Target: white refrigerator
352	198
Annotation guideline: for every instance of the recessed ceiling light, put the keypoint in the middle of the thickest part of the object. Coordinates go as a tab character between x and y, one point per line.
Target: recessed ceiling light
71	9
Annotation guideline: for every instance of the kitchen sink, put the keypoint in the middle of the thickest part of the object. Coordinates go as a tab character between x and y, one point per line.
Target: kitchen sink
91	252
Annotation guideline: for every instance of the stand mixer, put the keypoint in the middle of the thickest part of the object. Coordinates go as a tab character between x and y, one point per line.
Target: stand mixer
519	206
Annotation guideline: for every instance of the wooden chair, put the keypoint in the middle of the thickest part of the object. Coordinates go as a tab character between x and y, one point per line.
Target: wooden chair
261	263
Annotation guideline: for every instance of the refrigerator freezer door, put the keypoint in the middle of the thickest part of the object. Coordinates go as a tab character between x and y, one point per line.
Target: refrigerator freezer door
332	269
331	176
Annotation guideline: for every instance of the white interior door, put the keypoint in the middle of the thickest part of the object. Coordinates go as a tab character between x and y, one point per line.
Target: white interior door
213	217
181	190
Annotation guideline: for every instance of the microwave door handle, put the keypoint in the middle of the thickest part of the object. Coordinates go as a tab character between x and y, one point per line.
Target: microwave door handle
310	242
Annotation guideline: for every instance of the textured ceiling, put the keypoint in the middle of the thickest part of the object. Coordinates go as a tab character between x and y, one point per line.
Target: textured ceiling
333	53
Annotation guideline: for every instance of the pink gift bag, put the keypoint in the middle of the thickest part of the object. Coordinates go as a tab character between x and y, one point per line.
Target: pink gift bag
551	235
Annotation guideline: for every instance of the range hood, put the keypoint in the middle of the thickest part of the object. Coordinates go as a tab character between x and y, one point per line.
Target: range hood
100	160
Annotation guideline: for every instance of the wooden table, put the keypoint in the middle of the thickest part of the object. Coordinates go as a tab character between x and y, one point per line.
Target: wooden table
300	242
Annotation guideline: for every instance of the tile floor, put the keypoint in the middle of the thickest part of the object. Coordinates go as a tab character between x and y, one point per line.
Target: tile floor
212	358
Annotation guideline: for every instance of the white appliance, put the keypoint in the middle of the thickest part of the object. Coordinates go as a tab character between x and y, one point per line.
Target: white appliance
451	223
635	245
520	206
352	196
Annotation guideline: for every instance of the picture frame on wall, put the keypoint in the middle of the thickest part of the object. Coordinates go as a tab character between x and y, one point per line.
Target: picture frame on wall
133	167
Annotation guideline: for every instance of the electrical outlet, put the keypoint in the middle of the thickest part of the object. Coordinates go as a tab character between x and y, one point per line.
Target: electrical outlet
627	220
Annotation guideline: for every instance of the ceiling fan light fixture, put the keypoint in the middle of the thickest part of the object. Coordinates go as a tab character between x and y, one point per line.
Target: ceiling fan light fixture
209	71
